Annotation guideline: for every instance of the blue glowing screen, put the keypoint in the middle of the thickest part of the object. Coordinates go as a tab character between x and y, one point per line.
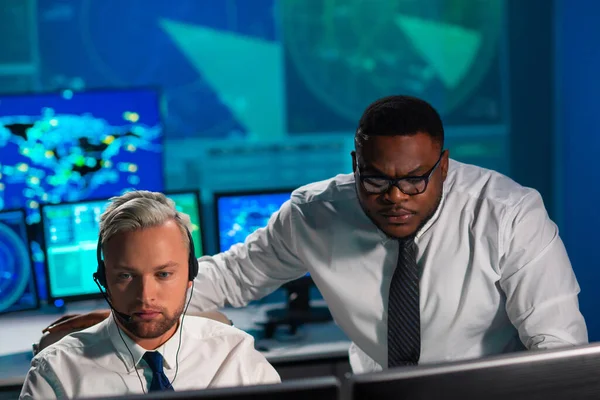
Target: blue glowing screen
73	146
17	284
70	239
238	215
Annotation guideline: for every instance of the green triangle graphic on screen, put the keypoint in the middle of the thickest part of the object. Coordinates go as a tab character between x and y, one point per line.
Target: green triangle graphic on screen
245	72
449	49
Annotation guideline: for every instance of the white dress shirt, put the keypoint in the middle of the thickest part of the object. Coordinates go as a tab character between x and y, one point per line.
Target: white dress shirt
102	361
495	273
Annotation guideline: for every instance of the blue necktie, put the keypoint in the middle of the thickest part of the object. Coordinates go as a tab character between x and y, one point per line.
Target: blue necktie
159	379
404	314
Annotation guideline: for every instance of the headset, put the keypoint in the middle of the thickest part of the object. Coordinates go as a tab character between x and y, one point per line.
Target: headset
100	279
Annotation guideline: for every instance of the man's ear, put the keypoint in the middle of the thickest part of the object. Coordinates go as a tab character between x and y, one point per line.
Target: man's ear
445	163
353	154
190	283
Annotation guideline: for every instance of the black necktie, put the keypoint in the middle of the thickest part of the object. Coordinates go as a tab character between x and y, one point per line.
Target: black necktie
404	315
159	380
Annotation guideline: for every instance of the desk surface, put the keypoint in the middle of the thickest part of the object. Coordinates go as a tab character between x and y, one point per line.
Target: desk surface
313	341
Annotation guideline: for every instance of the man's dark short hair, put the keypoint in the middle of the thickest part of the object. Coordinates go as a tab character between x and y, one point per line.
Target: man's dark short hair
399	115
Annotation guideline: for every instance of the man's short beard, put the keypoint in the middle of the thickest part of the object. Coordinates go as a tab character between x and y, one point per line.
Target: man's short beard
140	329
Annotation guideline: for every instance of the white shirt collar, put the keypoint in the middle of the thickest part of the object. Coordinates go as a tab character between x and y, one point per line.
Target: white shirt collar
131	353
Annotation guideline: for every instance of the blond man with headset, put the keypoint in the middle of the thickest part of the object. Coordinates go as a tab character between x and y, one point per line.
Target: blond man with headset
148	343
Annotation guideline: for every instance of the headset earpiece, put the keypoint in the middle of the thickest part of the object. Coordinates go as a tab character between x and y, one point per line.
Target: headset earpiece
100	274
193	261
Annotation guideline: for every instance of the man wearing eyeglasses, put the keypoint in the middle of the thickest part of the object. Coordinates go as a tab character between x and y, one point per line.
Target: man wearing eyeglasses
421	259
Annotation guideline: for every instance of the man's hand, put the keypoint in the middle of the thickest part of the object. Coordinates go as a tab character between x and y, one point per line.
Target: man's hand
75	322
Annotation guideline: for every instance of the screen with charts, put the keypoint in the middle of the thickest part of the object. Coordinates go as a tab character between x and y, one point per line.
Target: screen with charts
17	282
240	214
71	239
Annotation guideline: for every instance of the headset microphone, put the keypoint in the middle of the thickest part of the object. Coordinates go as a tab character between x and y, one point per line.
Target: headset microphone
123	316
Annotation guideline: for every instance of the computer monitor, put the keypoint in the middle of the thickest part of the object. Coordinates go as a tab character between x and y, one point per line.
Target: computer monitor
71	238
72	146
326	388
570	373
17	280
238	214
70	242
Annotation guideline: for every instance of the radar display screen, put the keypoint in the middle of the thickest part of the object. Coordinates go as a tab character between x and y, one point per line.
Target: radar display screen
17	282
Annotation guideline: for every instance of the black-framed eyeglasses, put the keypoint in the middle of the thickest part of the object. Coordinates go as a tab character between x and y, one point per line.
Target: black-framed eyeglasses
410	185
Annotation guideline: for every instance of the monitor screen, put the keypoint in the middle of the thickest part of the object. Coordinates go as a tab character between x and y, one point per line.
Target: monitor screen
239	214
71	146
17	282
71	239
70	242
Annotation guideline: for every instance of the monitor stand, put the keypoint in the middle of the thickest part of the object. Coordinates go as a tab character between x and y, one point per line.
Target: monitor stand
298	310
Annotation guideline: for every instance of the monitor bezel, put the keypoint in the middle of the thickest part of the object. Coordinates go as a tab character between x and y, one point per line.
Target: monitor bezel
37	305
237	193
